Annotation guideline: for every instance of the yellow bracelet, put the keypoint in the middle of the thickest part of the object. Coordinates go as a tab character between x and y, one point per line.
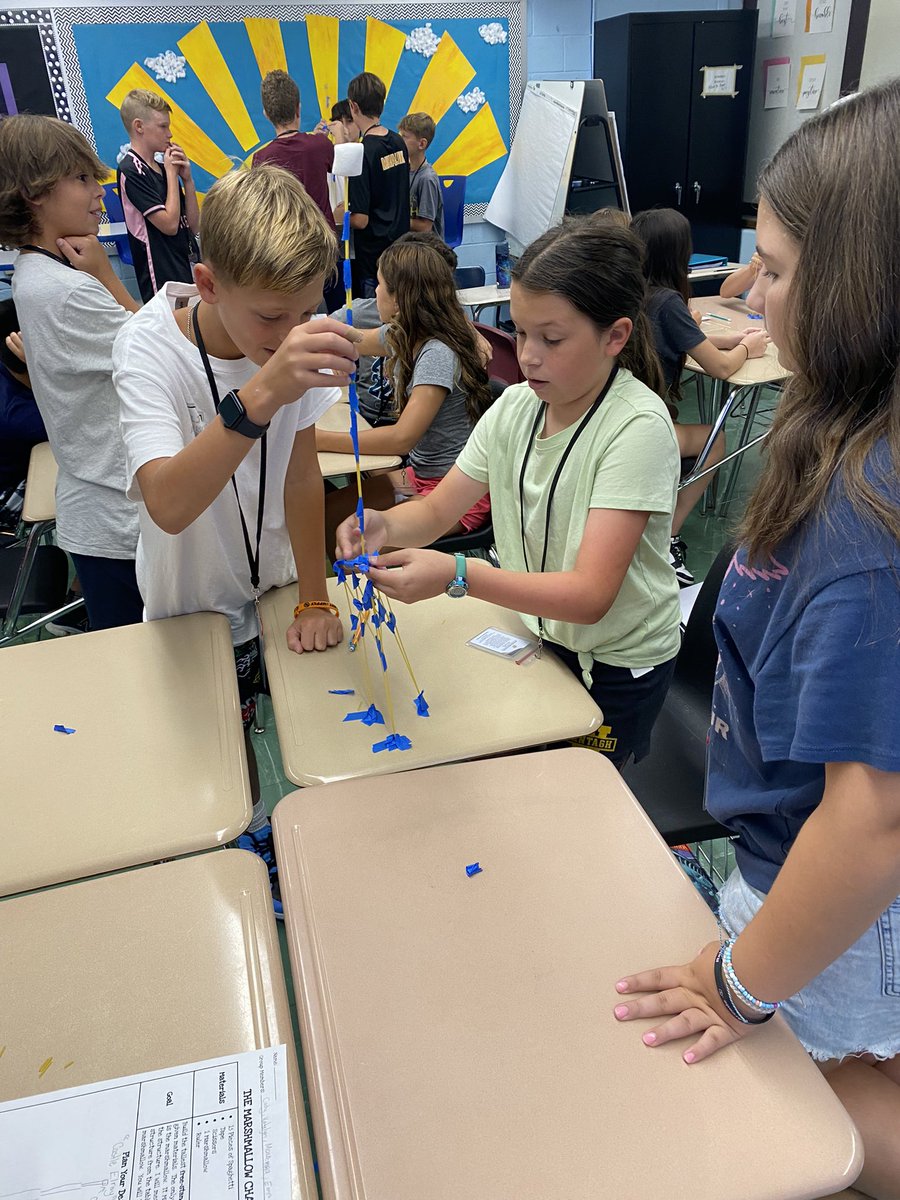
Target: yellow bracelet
307	604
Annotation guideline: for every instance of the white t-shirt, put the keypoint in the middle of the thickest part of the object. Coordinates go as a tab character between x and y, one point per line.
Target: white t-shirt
165	403
69	322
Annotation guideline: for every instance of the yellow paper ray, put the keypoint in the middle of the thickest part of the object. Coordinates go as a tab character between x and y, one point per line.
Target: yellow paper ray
479	143
198	146
322	33
268	45
445	78
201	50
384	45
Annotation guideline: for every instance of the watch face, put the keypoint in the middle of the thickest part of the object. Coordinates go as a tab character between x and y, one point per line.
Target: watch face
457	588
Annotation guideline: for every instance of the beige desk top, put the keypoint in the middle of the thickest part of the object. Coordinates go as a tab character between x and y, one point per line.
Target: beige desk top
480	704
458	1032
337	420
153	968
156	767
767	369
40	486
483	297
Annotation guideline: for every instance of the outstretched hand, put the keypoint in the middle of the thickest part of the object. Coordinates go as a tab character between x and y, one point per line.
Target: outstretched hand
425	573
686	996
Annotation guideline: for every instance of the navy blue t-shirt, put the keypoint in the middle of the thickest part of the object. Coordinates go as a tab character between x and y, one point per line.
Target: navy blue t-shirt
809	674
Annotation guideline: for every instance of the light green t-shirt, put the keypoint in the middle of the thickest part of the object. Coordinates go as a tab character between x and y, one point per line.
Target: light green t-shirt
626	458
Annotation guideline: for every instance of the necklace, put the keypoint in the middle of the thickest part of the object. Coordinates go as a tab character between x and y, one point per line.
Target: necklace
286	132
47	254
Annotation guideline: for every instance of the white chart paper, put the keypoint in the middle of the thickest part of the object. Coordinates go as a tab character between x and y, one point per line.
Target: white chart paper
214	1130
784	14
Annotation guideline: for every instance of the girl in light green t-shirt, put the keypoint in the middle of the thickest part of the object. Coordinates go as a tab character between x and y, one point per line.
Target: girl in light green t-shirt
582	467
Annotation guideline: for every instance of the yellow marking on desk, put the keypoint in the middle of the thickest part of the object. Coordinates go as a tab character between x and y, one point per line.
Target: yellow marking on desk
207	61
445	78
268	44
480	143
197	145
384	46
44	1067
2	1051
322	34
71	1063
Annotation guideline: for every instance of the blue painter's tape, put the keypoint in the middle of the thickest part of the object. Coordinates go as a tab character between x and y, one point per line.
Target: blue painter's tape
345	231
474	869
394	741
62	729
391	622
341	692
348	274
373	716
421	705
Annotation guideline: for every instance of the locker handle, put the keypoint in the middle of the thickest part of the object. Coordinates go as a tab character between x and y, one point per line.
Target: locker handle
678	194
696	192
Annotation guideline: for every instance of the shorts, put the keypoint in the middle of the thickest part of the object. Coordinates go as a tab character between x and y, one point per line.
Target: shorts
478	515
853	1006
249	677
629	705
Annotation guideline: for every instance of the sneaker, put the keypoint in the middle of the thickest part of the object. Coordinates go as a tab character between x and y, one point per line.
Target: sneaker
677	556
75	621
261	843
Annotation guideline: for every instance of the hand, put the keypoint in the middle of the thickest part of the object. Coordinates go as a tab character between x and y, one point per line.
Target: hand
298	365
756	343
314	629
16	346
86	254
349	542
697	315
687	996
484	350
182	161
425	573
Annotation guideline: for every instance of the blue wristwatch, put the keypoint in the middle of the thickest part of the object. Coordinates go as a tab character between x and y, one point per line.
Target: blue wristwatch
458	585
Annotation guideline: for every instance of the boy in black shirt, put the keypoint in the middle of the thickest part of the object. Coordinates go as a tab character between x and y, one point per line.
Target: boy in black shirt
379	197
160	202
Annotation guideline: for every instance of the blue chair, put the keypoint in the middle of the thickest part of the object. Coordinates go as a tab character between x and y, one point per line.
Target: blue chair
116	213
453	191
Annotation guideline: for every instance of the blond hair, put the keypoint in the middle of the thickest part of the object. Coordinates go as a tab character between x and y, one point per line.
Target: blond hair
139	103
420	125
260	229
35	154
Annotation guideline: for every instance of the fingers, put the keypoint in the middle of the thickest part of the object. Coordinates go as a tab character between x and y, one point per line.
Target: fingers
652	981
713	1039
314	631
346	333
657	1004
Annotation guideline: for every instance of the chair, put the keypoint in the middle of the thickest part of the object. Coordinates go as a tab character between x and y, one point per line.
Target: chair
669	782
33	582
113	204
453	191
478	539
469	277
504	364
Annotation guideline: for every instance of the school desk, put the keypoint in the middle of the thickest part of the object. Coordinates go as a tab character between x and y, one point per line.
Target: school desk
156	765
458	1031
153	968
39	504
337	420
490	295
480	704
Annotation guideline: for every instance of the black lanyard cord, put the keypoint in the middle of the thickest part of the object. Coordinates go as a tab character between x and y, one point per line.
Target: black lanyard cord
48	254
585	421
252	559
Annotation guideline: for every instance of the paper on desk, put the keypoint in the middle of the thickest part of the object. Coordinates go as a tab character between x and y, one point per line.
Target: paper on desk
207	1131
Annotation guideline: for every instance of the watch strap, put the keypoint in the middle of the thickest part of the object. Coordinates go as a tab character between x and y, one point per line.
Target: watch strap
234	416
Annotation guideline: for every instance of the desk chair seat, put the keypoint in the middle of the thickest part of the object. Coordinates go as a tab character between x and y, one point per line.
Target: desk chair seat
669	782
478	539
504	364
46	585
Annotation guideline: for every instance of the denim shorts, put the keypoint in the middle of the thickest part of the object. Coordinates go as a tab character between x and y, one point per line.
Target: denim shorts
853	1007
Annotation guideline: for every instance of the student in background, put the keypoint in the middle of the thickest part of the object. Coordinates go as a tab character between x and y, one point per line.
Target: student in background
159	201
21	426
218	401
379	197
666	235
71	306
439	384
426	205
804	748
741	280
308	156
582	467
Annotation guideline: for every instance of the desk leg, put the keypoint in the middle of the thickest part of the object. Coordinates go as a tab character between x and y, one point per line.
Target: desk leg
752	406
20	582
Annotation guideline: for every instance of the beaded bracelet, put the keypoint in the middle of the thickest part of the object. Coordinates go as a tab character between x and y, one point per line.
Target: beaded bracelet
763	1006
725	996
307	604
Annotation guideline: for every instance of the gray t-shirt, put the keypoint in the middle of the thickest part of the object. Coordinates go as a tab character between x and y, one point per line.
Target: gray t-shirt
425	199
69	323
376	396
438	448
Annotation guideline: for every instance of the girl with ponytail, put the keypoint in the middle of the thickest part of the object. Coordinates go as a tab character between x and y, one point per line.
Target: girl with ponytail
582	467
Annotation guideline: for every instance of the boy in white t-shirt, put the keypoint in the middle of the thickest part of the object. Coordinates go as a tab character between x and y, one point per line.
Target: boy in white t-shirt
220	384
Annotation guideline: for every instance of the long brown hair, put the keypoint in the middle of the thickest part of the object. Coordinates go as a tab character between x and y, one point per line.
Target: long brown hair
422	283
833	185
596	265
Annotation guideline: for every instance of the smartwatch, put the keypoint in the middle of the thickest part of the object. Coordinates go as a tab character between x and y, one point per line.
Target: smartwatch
458	585
234	416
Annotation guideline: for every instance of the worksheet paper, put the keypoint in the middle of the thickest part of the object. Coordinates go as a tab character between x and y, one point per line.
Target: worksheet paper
209	1131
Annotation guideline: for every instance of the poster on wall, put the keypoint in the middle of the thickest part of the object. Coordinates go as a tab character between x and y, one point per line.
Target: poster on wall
819	16
24	80
784	14
777	81
810	81
463	63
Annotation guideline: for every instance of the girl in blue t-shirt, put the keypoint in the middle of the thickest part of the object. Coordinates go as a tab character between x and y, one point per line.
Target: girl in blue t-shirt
804	759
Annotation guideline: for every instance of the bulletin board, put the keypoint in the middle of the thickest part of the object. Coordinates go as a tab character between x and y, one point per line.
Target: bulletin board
463	63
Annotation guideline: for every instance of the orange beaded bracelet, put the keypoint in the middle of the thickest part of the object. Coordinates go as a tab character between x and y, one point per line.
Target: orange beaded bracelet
307	604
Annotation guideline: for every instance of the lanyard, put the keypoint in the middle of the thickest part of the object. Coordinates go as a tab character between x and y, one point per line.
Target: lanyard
48	254
585	421
252	559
